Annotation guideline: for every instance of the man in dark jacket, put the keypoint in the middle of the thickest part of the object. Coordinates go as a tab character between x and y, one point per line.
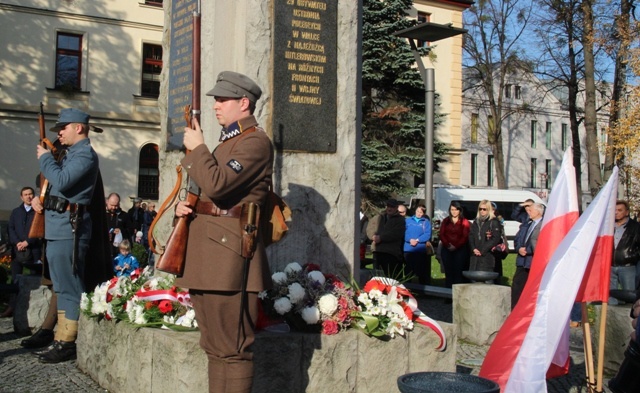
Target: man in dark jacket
525	244
118	223
389	239
26	251
626	237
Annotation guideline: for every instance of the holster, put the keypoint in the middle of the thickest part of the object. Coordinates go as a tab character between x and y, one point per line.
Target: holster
249	227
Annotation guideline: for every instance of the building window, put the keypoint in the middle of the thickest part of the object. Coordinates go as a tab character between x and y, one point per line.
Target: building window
490	170
603	136
474	169
422	18
148	173
534	132
547	135
68	61
151	69
518	92
565	136
474	128
534	172
547	174
491	130
507	91
156	3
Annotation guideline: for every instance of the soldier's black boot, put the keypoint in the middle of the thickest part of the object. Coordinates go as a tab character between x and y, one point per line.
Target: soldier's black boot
60	351
41	338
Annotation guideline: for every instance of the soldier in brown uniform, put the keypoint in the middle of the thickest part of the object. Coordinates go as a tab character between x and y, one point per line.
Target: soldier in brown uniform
238	172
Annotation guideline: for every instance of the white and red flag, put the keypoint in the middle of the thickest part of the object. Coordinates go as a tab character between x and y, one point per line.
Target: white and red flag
528	344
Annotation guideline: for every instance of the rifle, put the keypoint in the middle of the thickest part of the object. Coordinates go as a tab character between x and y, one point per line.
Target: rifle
37	225
172	260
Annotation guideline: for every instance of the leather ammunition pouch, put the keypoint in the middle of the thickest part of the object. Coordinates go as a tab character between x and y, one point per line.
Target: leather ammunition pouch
56	203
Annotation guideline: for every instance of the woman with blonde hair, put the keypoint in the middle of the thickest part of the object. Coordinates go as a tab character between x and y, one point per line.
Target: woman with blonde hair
485	234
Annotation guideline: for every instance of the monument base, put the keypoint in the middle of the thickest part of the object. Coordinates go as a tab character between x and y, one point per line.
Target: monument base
122	358
479	310
32	304
618	328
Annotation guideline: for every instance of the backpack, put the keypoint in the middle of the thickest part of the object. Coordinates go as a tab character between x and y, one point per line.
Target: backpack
278	213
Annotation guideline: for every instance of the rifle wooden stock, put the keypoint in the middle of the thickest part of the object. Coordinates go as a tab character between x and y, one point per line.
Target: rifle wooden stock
174	256
37	225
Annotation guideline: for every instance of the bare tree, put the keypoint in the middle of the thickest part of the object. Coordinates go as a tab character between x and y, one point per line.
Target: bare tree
620	41
492	53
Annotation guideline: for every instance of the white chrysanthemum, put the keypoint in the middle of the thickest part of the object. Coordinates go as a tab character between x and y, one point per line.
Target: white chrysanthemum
169	319
153	283
279	278
282	305
131	310
293	267
84	301
317	276
109	311
375	310
140	319
188	319
328	304
375	294
99	301
311	315
296	293
262	295
364	299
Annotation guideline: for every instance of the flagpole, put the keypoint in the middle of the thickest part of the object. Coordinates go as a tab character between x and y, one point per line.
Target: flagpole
603	327
588	346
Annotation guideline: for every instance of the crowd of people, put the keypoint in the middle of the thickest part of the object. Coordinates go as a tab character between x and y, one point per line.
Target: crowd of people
402	244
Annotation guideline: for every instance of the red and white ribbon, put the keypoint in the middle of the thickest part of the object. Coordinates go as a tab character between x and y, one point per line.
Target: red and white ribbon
410	305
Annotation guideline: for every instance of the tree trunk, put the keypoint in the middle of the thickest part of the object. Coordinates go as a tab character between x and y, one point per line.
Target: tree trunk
619	80
590	119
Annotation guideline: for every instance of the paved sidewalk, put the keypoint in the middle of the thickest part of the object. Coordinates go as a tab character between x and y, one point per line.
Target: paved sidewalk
21	372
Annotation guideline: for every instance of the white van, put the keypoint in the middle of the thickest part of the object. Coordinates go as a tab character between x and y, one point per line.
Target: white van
469	198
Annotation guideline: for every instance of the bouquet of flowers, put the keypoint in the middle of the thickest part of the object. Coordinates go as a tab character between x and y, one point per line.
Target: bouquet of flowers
141	299
387	308
309	300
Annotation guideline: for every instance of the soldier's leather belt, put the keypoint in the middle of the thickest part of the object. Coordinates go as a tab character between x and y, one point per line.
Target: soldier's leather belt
210	208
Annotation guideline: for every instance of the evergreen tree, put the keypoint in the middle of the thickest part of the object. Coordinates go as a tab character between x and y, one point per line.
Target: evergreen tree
393	102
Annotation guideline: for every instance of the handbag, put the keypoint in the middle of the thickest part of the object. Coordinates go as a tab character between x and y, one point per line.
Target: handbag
430	250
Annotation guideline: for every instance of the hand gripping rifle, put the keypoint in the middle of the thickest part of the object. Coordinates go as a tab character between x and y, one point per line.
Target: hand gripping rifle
172	260
37	225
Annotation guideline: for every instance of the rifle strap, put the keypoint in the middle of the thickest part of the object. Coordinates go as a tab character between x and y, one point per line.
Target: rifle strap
166	205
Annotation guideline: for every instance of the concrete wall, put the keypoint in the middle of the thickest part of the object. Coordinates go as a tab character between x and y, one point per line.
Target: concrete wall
168	361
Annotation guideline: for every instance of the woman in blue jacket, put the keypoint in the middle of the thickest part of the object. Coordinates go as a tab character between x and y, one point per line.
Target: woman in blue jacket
416	236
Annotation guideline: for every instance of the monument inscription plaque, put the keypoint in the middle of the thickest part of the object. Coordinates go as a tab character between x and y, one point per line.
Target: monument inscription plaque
305	75
180	65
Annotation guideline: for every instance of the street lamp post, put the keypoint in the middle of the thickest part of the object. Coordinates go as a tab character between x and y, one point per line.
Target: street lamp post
428	32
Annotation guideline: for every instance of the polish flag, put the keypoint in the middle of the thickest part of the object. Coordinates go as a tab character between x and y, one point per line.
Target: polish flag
528	343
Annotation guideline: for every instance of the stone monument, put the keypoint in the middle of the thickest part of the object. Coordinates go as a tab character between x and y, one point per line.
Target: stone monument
293	49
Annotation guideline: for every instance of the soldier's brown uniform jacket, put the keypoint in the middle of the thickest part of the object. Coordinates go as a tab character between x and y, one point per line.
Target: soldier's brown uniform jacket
238	171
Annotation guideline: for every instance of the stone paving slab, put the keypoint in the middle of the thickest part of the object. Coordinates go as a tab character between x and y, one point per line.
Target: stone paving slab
21	372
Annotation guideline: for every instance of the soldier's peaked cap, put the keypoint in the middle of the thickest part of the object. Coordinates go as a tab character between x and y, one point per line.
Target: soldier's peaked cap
72	115
235	85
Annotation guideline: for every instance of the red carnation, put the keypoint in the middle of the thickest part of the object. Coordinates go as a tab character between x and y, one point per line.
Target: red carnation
165	306
330	327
